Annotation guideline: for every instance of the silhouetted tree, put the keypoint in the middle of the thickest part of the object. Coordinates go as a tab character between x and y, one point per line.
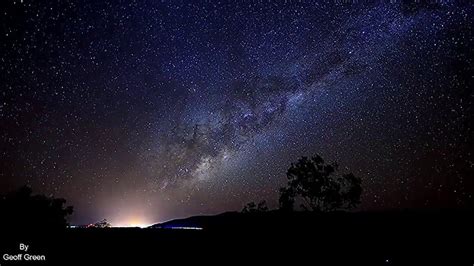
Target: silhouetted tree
262	206
21	209
251	207
319	186
102	224
287	199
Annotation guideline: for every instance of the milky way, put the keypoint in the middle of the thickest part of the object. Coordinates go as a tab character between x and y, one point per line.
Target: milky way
152	110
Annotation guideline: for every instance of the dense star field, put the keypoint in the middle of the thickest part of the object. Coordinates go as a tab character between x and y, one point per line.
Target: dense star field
143	111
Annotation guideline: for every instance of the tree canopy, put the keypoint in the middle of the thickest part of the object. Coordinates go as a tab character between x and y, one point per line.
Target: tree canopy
22	209
318	186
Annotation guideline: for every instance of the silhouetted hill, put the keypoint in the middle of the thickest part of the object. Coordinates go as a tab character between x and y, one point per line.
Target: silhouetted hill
312	221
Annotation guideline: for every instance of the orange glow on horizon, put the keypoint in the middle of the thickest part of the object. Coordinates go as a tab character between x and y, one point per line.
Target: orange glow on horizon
133	222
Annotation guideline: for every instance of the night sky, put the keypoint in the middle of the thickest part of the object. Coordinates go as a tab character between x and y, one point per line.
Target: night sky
144	111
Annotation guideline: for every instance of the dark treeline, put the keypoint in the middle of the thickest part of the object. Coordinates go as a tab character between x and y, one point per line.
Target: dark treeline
21	209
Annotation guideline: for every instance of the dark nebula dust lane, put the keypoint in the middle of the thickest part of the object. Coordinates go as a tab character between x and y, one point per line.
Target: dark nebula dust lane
143	111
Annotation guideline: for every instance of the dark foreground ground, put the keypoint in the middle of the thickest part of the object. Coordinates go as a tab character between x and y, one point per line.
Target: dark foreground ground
399	238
